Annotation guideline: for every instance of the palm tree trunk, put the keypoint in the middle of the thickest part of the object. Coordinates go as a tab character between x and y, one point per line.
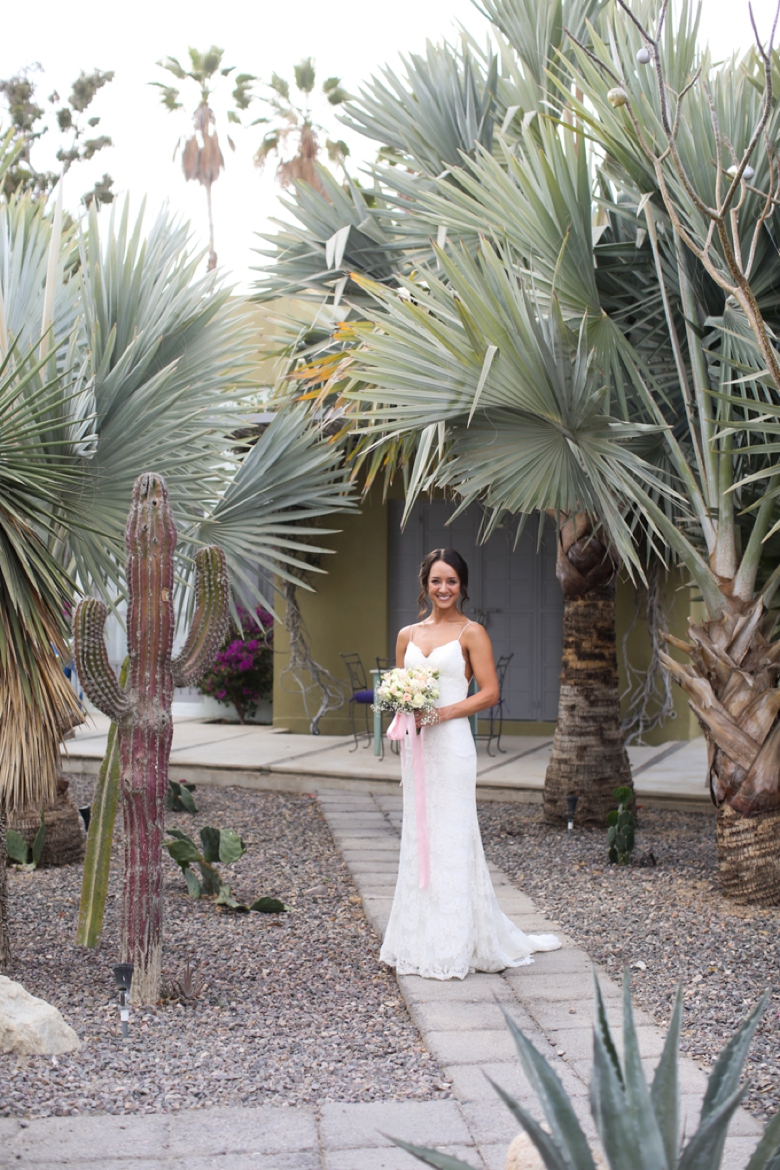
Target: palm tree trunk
212	254
731	682
749	856
589	758
5	938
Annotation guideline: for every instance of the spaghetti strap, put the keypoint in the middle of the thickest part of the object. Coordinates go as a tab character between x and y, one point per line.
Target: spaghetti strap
411	635
463	631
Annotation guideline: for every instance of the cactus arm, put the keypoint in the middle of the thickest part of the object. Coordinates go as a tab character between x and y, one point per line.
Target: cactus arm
97	859
211	619
95	673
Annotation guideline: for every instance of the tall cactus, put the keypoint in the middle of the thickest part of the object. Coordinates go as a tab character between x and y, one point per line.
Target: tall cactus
142	711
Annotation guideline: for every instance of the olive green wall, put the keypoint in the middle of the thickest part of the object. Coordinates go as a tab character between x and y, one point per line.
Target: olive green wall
347	613
678	603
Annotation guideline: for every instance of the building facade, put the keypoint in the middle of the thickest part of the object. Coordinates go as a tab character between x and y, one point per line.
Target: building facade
370	591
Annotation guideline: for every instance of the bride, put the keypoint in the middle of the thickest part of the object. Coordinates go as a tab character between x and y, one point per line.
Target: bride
455	925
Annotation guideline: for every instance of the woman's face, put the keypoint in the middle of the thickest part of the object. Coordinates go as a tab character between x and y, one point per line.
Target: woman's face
443	585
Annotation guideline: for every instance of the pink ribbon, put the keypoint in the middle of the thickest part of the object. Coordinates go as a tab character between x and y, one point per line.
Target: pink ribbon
403	722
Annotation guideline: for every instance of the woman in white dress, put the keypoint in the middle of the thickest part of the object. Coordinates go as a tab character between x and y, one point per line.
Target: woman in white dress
455	925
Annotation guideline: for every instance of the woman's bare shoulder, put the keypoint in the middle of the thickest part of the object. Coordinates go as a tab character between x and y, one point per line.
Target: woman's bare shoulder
475	636
404	636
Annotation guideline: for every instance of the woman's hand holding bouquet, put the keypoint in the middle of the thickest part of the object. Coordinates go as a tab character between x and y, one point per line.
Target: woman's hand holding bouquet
410	690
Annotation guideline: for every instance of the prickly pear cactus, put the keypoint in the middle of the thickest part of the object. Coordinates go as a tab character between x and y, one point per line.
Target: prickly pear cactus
142	711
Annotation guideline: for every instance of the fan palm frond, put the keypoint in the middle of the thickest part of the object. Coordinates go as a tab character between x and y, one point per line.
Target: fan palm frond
39	705
443	108
510	388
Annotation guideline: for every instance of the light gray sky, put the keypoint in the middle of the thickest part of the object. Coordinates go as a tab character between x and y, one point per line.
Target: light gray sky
350	38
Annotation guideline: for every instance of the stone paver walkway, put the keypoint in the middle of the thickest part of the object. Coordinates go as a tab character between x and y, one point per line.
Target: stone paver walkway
461	1023
551	1000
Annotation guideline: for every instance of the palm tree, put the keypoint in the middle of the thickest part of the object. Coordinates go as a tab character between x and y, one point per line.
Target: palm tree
142	367
38	704
697	360
666	262
202	159
292	124
441	117
690	148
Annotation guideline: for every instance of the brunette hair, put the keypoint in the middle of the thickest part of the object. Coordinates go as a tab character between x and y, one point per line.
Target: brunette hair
456	562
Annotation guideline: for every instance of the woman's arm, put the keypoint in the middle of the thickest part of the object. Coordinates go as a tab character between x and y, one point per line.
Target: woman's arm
402	641
476	641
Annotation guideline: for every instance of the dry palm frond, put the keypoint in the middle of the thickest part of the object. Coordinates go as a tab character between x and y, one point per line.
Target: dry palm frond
202	158
302	167
38	704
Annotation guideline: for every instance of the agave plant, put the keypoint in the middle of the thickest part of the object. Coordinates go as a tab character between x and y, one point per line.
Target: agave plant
638	1124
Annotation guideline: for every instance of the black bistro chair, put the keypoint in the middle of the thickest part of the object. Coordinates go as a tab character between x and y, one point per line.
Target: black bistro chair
361	695
495	715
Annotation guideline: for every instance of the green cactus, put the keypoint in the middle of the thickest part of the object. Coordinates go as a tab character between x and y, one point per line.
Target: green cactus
622	824
223	845
638	1125
26	856
142	710
97	859
179	797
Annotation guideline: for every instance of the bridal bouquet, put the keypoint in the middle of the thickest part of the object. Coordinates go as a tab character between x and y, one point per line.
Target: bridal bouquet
407	690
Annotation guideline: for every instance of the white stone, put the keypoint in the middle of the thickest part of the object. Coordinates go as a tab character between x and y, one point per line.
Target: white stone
523	1155
30	1026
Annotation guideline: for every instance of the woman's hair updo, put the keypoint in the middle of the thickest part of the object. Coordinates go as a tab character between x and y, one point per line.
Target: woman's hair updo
456	562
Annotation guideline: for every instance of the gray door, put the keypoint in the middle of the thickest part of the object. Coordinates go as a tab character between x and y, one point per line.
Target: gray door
514	594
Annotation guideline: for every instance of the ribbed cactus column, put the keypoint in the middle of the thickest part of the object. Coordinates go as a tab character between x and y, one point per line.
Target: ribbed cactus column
142	712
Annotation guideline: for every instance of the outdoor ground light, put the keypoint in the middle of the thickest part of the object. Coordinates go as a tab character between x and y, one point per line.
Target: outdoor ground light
123	977
571	808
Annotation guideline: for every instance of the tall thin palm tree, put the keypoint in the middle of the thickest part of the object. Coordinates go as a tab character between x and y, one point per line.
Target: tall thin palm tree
202	159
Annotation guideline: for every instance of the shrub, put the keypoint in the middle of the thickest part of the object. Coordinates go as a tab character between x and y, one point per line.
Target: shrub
243	672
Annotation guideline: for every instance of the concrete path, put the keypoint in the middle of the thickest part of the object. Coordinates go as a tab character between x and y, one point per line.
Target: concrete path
461	1023
671	774
552	1000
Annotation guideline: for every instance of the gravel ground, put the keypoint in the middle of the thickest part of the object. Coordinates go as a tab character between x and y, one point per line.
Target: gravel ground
295	1009
670	924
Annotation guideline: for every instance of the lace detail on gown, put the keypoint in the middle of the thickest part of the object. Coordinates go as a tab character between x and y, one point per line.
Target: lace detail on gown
456	925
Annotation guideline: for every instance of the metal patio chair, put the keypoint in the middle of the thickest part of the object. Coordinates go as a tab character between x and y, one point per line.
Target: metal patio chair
495	715
361	695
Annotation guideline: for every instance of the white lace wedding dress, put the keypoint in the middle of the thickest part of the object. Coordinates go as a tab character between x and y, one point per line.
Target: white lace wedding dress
455	925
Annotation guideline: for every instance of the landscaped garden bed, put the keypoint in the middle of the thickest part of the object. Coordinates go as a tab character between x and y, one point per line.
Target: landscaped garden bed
669	923
295	1007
